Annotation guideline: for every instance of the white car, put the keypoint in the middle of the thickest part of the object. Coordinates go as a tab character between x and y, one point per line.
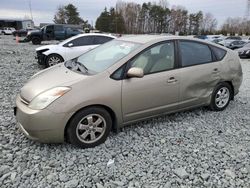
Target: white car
8	30
227	41
71	48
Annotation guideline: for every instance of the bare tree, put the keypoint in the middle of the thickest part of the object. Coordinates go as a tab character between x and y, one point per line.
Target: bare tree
209	23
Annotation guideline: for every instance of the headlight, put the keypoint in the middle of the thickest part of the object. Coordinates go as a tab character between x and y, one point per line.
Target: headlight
46	98
247	52
28	33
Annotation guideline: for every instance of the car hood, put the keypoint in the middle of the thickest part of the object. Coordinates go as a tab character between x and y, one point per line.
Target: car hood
44	80
33	32
46	47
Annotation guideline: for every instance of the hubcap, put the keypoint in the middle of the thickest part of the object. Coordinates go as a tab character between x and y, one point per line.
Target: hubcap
91	128
222	97
53	60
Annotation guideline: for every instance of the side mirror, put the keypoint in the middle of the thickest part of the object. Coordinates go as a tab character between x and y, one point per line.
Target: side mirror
70	44
135	72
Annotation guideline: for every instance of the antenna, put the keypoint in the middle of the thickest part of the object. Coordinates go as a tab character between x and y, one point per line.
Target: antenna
248	9
30	10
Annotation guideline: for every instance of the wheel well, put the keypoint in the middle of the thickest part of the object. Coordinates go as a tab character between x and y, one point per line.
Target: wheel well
230	83
109	110
36	37
54	54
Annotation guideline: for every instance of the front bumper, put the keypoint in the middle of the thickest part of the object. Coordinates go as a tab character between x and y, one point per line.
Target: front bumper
42	125
41	58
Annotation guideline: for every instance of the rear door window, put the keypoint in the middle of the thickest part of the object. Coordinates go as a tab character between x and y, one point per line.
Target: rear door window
83	41
194	53
101	39
58	28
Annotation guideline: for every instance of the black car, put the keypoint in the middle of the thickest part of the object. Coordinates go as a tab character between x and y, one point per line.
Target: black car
52	32
236	44
233	38
244	52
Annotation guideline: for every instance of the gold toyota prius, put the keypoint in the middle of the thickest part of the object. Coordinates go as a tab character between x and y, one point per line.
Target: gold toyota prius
125	80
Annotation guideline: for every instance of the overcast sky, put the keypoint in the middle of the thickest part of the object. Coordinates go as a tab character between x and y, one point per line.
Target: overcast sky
44	10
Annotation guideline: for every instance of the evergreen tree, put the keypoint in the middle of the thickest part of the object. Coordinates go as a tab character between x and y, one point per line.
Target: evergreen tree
103	21
60	16
110	21
68	15
72	15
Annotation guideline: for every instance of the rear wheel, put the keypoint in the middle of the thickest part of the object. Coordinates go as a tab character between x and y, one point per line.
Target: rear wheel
221	97
89	127
36	40
53	59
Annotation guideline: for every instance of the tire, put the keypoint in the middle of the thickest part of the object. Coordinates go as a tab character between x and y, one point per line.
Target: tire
221	97
82	129
53	59
36	41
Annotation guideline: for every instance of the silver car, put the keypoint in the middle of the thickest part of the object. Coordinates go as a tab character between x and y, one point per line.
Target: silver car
125	80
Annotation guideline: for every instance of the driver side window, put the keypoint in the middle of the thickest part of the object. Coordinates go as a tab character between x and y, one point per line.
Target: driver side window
156	59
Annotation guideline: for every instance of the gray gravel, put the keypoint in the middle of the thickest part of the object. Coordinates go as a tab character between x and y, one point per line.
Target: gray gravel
197	148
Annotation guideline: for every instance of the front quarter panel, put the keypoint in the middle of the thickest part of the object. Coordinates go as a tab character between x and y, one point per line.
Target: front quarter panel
98	89
54	50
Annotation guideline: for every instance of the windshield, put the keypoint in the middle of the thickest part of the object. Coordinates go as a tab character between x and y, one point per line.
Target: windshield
106	55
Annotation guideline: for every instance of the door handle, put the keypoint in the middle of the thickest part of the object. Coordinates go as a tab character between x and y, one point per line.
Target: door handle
171	80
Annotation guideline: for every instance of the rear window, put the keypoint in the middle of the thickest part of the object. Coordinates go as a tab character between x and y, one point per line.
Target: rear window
219	53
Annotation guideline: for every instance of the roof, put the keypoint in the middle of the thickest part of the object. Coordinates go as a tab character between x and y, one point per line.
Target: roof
86	34
14	20
143	39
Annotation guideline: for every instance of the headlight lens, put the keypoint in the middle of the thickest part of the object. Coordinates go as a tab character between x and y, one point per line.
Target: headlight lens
247	52
28	33
46	98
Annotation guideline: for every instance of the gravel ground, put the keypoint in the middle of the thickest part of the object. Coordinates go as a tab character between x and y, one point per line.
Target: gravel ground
197	148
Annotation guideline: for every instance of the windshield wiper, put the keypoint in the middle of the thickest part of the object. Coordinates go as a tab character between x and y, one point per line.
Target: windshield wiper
82	66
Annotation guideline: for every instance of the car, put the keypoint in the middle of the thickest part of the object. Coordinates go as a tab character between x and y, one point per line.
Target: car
236	44
211	38
217	40
8	30
244	52
203	37
71	48
128	79
52	32
228	40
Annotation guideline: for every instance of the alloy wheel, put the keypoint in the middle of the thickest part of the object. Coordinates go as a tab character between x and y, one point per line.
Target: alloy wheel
91	128
222	97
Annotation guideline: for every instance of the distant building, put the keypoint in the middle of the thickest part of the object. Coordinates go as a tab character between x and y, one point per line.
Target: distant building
17	23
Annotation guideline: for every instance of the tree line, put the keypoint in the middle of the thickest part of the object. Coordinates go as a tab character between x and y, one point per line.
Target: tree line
151	17
236	25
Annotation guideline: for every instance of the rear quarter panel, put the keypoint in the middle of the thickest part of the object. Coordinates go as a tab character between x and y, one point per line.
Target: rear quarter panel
232	70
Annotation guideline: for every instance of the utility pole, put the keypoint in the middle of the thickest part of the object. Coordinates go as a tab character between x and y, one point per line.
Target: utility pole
30	10
248	10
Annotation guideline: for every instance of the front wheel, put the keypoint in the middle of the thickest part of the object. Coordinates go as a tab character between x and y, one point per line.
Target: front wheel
36	40
221	97
89	127
53	59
